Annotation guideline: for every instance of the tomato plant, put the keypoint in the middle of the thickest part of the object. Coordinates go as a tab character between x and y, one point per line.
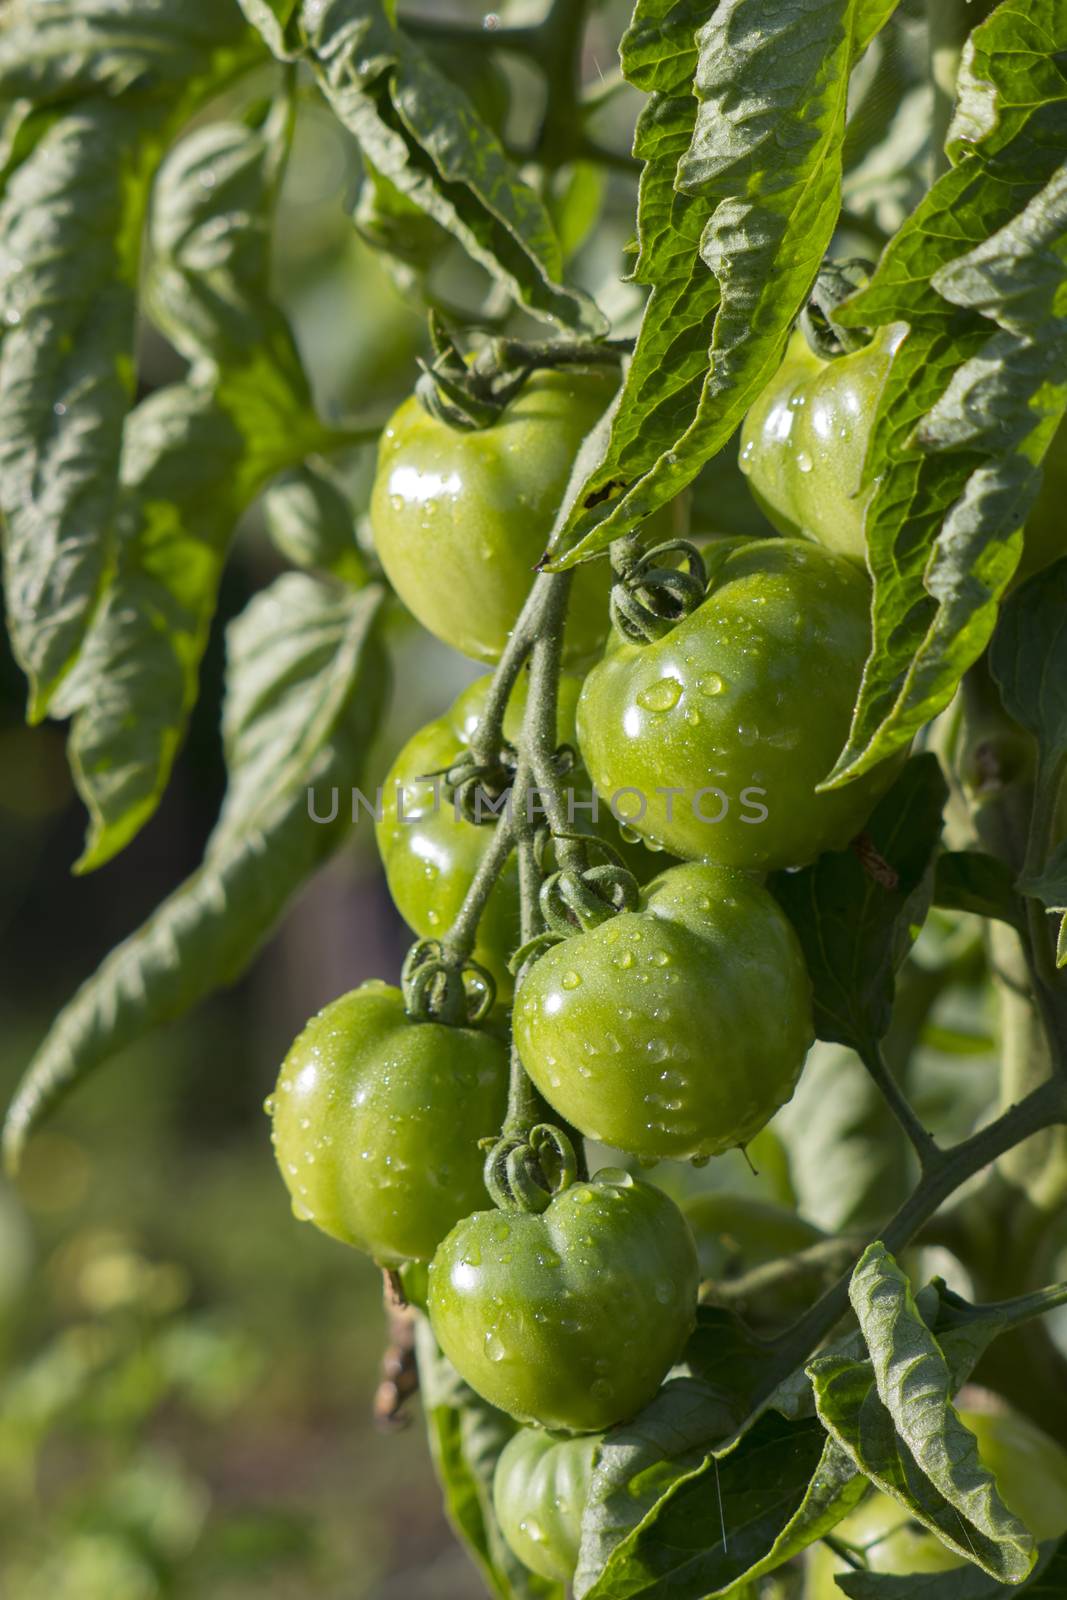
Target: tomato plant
716	405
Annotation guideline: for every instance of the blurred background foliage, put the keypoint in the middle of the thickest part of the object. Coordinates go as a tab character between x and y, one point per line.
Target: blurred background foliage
186	1373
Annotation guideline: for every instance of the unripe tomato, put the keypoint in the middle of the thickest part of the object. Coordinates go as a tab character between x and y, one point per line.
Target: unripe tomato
804	442
377	1121
735	1233
572	1316
713	738
540	1487
676	1030
430	855
1031	1473
461	518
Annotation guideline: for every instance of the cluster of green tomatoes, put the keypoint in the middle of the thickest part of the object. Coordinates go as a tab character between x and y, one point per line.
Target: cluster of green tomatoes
673	1025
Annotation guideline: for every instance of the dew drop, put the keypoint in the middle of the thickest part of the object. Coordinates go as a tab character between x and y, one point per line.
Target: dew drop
495	1349
712	684
692	716
268	1105
660	696
625	958
571	980
533	1530
804	461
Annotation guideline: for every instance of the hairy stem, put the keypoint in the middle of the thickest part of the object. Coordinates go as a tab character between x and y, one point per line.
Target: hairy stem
922	1142
459	941
1044	1108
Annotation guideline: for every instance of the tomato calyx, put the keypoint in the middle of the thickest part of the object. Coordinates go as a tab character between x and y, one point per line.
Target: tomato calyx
471	393
525	1172
439	988
649	596
837	281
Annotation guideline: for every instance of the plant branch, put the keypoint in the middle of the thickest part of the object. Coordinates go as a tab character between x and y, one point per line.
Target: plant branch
459	941
922	1142
1044	1108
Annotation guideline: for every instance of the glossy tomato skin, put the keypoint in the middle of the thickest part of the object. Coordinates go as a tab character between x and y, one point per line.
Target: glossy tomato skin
569	1318
725	726
804	441
674	1031
430	855
1031	1473
540	1487
377	1121
461	518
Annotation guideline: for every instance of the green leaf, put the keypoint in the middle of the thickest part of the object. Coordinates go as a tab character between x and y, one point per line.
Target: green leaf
1050	887
51	49
970	880
977	389
421	132
849	1161
194	457
305	688
857	921
312	523
71	225
714	1526
70	229
1029	660
466	1436
893	1415
733	226
1048	1581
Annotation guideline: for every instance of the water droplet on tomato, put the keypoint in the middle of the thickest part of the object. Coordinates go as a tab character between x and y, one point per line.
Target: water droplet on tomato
660	696
571	980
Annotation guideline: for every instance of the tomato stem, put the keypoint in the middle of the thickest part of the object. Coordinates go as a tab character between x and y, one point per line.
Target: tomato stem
922	1142
1044	1108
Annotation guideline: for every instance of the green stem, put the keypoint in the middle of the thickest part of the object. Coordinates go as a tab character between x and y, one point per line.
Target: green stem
922	1142
459	941
540	728
1044	1108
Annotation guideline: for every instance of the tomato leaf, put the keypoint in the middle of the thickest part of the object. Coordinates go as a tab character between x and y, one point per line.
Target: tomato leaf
1029	661
970	880
893	1415
70	239
466	1436
52	50
976	390
194	457
739	200
1048	1581
858	911
711	1526
848	1161
313	524
1050	887
422	133
305	687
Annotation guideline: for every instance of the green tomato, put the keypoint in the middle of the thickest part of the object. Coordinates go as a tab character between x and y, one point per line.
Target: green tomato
676	1030
570	1317
804	442
540	1487
377	1121
461	518
721	730
1031	1473
430	855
